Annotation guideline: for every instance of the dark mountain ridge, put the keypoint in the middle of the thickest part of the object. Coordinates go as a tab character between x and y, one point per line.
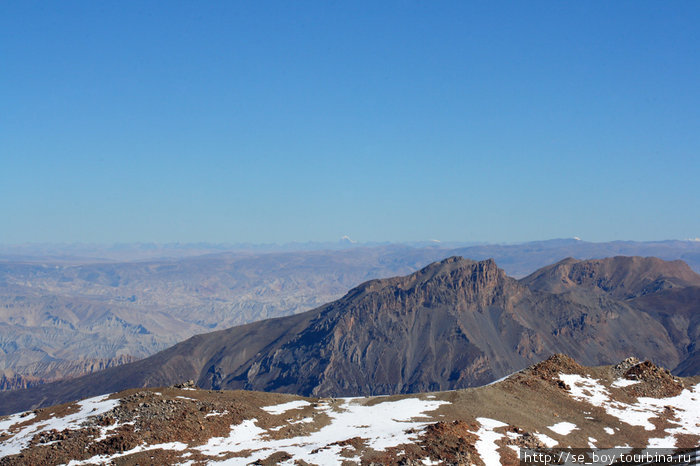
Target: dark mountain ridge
453	324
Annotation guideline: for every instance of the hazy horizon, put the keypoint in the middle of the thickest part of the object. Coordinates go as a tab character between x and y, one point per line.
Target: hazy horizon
75	249
343	240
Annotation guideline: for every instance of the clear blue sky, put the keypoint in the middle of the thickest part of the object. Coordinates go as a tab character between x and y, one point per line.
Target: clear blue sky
293	121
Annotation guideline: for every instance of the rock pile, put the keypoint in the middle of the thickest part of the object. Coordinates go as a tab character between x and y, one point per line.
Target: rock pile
654	381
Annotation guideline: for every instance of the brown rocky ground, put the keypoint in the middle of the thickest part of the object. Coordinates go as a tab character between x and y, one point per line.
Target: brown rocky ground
182	424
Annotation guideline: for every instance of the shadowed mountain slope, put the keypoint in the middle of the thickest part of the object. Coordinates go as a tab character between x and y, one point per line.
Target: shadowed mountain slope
453	324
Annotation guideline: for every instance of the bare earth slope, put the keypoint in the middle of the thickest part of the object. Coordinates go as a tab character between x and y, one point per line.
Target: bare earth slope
557	403
453	324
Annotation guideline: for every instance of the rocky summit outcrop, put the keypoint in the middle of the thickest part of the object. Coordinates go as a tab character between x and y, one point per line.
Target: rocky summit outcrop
621	277
453	324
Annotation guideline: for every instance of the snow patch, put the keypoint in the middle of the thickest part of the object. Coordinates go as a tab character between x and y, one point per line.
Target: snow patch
383	425
15	419
88	408
105	459
619	383
662	442
306	420
686	407
548	441
563	428
486	445
281	408
105	430
586	389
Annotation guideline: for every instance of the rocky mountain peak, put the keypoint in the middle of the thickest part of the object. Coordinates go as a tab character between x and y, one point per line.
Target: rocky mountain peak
653	380
555	364
456	280
621	276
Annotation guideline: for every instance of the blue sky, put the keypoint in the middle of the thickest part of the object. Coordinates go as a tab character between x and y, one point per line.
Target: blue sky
296	121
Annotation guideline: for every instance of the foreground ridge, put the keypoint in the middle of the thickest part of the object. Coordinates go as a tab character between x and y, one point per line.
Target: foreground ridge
556	403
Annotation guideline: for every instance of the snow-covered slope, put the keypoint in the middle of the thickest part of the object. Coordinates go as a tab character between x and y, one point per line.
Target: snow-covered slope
553	404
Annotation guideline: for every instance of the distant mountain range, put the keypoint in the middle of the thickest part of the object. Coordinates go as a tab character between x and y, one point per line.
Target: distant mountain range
556	403
65	310
453	324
